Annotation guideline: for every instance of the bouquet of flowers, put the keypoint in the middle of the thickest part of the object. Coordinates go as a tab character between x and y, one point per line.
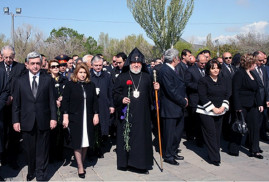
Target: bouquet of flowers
127	125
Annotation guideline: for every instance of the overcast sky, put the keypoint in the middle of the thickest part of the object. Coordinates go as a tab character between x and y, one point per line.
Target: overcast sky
222	18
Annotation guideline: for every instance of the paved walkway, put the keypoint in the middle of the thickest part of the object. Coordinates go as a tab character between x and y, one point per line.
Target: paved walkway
193	168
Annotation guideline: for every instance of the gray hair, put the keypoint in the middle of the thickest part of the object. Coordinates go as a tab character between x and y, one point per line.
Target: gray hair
8	47
33	55
97	58
170	55
85	58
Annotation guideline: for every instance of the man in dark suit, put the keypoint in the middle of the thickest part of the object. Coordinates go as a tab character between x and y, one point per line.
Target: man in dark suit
263	81
172	101
192	77
227	72
13	70
120	60
3	99
184	63
34	114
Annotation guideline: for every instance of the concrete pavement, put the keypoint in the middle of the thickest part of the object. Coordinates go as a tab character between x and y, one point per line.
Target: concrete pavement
193	168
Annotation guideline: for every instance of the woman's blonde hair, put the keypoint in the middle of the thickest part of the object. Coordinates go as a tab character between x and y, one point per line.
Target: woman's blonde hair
79	66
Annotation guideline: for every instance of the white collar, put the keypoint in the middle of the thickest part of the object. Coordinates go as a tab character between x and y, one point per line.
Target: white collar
172	67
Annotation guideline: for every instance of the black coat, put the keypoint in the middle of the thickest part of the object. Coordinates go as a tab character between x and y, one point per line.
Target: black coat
105	100
181	68
192	77
141	153
115	72
245	91
17	71
73	105
58	91
28	110
172	94
3	99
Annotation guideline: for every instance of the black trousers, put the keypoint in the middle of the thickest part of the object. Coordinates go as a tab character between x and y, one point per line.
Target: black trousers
253	120
36	147
11	137
172	132
211	128
264	123
193	125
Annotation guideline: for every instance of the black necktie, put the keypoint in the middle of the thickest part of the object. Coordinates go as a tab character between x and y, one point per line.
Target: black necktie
231	69
260	74
34	86
8	70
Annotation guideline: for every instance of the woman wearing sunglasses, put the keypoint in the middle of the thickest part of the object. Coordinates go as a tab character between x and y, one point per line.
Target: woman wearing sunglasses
56	135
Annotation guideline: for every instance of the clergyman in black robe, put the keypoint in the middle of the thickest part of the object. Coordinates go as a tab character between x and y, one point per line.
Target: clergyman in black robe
140	153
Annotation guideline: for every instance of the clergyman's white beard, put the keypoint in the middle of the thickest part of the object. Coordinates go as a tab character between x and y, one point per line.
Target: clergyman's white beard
135	72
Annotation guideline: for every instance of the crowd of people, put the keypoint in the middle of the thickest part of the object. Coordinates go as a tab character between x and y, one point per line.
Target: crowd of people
83	102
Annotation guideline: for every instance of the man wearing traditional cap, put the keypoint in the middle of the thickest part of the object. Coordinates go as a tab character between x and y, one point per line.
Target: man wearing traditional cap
63	59
134	141
34	114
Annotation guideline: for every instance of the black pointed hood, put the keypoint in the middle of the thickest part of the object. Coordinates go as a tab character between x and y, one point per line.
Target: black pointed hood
135	56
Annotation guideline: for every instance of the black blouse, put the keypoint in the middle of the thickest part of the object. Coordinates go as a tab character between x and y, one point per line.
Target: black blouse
212	94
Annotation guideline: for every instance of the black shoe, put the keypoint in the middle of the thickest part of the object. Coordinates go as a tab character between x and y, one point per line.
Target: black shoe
233	154
30	177
256	155
260	151
215	163
2	179
171	161
122	168
178	157
178	151
82	175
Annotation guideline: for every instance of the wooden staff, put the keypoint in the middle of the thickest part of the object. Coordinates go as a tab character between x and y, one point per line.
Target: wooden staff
158	122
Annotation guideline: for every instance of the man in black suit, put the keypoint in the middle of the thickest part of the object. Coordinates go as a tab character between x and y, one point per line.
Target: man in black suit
263	81
192	77
13	70
120	60
172	101
3	99
34	114
184	63
227	72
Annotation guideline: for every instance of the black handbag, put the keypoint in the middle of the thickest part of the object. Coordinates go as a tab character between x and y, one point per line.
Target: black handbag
67	135
240	126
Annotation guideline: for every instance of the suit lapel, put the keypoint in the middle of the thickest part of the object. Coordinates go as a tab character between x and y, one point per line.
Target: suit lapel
28	84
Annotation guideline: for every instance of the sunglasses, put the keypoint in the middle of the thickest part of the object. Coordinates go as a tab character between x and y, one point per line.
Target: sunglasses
55	66
228	58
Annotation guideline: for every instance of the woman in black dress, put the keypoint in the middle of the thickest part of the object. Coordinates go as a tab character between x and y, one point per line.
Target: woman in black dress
56	135
80	108
247	99
213	94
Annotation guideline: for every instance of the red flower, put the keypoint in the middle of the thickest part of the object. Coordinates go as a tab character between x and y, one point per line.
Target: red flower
129	82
